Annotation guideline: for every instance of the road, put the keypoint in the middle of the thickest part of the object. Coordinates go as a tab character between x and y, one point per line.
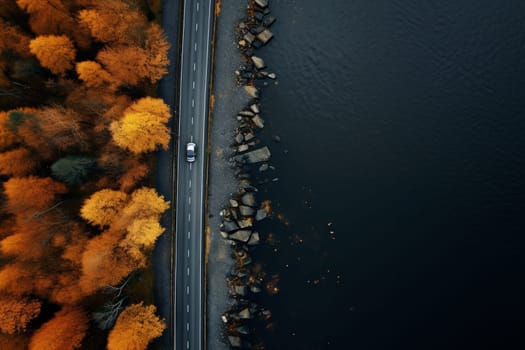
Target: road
191	177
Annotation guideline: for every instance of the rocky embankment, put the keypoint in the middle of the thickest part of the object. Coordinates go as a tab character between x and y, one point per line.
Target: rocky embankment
249	157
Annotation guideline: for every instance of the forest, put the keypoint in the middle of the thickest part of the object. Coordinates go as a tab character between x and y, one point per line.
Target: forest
79	122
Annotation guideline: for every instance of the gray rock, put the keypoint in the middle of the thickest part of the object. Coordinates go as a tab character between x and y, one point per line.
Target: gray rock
247	261
243	330
230	226
235	341
246	211
272	76
255	108
249	37
251	91
247	113
245	314
240	290
248	136
256	156
242	148
262	3
255	289
260	215
241	235
258	121
258	62
263	167
248	199
254	239
268	20
239	118
234	203
239	138
224	234
276	138
265	36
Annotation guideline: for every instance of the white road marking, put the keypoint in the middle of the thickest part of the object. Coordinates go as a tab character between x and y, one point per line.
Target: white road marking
189	234
188	253
193	85
189	200
196	27
187	344
190	183
191	120
187	307
191	139
194	66
188	271
190	166
187	326
197	7
195	47
189	216
188	290
192	102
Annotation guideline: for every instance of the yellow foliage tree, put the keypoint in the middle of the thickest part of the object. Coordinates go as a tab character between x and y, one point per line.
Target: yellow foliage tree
103	206
142	233
93	75
16	313
143	129
127	64
64	331
156	46
135	328
145	203
55	53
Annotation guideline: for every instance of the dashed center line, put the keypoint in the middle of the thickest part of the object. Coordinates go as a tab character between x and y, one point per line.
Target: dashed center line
187	344
189	200
188	271
189	216
197	7
188	290
191	120
193	85
194	66
188	253
196	27
195	47
189	234
192	102
187	326
190	183
188	308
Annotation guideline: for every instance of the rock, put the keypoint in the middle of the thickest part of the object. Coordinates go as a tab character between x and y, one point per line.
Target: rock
258	62
263	167
242	148
242	42
241	235
249	37
265	36
276	138
243	330
247	261
255	108
262	154
242	25
258	16
245	314
235	341
275	179
272	76
246	113
268	20
260	215
239	118
224	234
258	121
239	138
266	11
251	91
245	223
248	199
259	28
257	44
248	136
255	289
234	203
249	52
254	239
262	3
224	319
230	226
240	290
246	211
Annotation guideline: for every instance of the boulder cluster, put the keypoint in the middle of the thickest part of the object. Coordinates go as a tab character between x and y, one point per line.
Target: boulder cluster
244	211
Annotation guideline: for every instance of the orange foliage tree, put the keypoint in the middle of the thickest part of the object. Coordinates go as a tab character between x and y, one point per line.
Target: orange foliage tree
93	75
64	331
54	52
142	128
13	40
103	206
31	195
135	328
13	341
16	313
17	162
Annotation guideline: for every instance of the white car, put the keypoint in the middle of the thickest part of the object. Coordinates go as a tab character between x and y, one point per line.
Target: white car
190	152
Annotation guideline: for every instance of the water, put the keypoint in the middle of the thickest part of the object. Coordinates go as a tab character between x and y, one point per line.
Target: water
404	122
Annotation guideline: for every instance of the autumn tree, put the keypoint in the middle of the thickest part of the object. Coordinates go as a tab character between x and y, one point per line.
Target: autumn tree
54	52
103	206
16	313
13	341
64	331
73	170
135	328
17	162
31	195
13	40
114	21
142	128
94	76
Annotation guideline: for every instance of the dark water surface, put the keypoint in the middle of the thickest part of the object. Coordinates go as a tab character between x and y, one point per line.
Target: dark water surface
405	126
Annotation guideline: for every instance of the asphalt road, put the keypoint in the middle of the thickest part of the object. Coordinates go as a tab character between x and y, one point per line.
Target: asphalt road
191	178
